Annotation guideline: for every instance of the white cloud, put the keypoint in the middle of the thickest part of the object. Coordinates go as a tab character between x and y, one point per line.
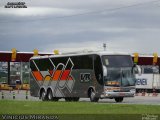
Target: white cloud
75	47
129	29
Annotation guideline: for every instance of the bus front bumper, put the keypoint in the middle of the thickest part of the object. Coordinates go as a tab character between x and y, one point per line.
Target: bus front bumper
117	94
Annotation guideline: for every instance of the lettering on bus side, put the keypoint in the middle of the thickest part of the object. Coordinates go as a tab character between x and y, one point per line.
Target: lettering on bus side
85	77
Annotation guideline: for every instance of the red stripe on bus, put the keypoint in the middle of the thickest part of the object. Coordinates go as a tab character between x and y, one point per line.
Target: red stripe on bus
51	72
65	75
70	78
37	75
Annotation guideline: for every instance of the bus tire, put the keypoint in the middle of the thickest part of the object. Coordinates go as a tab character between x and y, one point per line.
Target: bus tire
50	96
44	96
119	99
92	96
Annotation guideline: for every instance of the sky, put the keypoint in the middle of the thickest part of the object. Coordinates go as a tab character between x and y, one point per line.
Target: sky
80	25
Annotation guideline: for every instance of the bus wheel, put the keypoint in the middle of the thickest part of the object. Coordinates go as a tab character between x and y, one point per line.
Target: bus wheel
119	99
50	95
44	96
75	99
93	97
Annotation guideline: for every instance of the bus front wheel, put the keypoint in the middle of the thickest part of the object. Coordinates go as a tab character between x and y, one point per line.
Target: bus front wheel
119	99
92	96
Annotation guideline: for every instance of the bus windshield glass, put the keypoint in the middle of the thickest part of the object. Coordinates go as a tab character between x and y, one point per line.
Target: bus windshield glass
117	60
119	70
120	77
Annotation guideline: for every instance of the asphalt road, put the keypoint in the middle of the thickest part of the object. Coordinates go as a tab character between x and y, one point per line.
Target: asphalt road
21	95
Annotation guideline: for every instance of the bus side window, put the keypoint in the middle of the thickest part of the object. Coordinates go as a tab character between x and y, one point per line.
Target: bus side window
98	69
32	66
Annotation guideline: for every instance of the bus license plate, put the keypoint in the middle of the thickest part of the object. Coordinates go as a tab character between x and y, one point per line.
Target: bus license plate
122	94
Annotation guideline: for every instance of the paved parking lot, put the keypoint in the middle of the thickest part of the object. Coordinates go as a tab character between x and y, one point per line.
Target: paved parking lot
21	95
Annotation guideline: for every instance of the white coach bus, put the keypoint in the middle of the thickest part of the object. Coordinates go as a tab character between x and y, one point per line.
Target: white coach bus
149	80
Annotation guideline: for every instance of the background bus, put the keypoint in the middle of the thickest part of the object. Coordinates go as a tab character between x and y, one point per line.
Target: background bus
149	80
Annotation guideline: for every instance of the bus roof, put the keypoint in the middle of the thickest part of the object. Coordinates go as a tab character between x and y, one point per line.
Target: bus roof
79	54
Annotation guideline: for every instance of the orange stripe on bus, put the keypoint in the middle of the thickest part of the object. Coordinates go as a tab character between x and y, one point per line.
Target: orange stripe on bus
37	75
65	74
56	75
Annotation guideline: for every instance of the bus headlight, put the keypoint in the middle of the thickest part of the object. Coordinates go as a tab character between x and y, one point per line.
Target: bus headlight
133	91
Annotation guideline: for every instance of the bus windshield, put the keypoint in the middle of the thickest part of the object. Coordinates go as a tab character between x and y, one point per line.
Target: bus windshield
119	70
117	60
128	78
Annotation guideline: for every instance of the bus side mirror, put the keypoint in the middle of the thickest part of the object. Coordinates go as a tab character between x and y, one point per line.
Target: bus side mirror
104	71
137	69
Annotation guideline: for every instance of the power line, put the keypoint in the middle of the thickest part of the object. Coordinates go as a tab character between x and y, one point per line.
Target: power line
86	13
110	10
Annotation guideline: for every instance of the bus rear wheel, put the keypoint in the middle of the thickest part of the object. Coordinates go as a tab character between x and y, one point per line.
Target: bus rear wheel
119	99
44	96
50	96
93	97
